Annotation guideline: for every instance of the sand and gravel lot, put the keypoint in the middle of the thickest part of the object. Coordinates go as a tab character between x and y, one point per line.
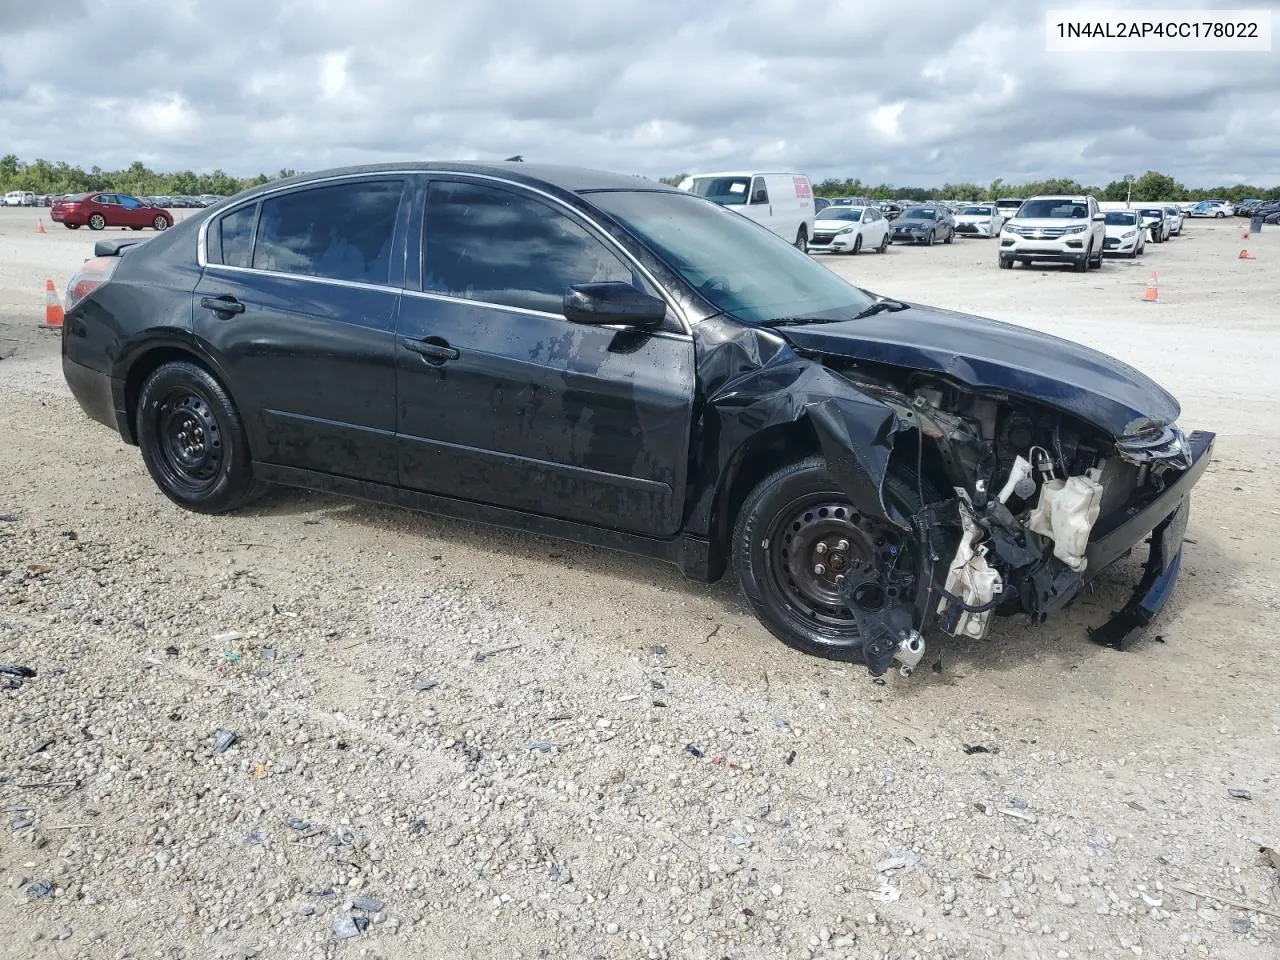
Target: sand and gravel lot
633	768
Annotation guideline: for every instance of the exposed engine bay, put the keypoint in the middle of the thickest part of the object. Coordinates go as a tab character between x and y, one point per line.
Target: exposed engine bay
1009	493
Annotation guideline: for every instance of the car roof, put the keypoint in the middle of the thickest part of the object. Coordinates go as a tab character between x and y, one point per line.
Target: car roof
747	173
565	178
1073	197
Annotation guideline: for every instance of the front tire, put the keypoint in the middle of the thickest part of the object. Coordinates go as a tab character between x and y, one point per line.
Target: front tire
1006	263
884	243
160	223
776	554
929	242
193	441
950	236
857	245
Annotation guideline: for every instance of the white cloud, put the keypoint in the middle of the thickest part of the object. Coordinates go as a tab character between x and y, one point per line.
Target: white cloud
910	91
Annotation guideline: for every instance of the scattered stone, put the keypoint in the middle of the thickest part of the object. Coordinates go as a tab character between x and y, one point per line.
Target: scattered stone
346	926
64	932
1239	793
297	823
40	890
422	686
1241	925
901	861
227	636
367	904
223	740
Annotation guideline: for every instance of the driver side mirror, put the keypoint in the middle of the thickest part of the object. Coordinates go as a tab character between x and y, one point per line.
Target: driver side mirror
613	303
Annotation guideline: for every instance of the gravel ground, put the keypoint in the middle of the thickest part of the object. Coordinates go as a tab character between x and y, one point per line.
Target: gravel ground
321	728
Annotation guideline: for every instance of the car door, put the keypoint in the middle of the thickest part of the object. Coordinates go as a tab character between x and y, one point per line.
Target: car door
131	212
758	206
503	401
873	227
298	302
108	205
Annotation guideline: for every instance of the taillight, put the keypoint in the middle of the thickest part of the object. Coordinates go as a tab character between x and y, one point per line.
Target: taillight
91	275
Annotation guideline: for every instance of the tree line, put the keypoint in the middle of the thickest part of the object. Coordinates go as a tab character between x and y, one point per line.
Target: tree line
1152	185
45	177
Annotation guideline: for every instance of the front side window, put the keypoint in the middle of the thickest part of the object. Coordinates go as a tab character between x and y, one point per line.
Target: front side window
498	246
129	203
340	232
234	233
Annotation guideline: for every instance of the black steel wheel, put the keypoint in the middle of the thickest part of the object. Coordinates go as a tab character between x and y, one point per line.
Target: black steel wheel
193	441
797	538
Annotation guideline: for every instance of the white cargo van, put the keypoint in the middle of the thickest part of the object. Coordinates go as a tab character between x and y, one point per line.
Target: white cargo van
783	202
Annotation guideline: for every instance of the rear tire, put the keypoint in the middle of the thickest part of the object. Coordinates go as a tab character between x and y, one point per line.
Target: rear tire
72	226
193	441
774	540
97	221
802	238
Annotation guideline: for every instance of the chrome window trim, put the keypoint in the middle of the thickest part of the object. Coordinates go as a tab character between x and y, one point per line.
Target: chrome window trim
202	240
333	281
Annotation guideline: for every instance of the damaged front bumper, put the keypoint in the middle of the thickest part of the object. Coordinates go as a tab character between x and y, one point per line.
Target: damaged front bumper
1035	582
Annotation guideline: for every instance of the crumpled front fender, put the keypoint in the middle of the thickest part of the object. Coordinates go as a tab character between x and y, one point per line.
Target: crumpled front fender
767	386
856	432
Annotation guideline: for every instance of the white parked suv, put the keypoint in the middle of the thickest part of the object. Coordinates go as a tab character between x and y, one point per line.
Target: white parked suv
19	198
1062	229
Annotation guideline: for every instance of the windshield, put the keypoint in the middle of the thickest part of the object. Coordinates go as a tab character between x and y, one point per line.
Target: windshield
1008	204
976	212
1121	219
726	190
1158	214
920	213
739	266
1054	209
840	213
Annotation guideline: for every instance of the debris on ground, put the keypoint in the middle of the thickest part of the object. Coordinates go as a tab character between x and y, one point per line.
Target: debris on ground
347	926
971	749
1239	793
223	740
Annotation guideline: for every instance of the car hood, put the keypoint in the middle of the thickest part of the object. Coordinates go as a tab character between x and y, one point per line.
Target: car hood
914	223
1120	229
832	226
990	355
974	217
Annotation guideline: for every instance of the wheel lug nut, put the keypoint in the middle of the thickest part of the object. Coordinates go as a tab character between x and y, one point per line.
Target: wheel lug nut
820	549
839	579
842	545
819	569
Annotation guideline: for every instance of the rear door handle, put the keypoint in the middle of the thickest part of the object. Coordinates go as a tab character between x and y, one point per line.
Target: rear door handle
433	350
225	304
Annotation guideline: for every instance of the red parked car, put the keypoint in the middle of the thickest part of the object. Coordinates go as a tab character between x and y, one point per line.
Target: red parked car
100	210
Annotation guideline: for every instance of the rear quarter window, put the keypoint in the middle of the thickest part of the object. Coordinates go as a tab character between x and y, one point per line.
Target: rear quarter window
234	233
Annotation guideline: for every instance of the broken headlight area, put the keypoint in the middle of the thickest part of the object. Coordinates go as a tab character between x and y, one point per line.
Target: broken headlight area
1029	487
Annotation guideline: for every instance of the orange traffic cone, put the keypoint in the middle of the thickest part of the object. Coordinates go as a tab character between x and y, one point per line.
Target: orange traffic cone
40	225
1246	255
52	307
1152	295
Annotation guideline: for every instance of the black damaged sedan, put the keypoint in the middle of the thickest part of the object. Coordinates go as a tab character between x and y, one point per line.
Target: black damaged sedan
603	359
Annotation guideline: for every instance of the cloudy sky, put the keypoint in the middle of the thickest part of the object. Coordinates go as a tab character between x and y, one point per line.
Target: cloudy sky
904	91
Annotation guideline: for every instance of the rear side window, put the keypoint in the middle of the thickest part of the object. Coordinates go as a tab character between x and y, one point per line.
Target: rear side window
235	237
342	232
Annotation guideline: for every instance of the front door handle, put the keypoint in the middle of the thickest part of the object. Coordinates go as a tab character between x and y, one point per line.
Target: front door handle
433	349
226	304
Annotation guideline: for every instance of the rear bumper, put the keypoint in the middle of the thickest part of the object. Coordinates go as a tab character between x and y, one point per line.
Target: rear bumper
96	392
